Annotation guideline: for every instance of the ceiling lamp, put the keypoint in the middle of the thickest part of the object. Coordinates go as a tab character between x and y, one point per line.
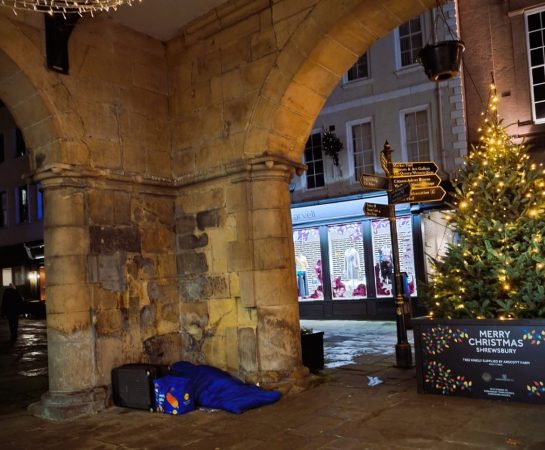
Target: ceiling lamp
65	6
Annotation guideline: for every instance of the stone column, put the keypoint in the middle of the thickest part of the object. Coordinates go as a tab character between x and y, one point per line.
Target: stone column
70	336
267	278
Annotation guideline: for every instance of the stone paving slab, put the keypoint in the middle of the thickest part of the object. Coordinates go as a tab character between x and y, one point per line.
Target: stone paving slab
343	412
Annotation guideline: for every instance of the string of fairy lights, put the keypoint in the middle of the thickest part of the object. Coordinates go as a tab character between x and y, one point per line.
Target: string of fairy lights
489	169
65	7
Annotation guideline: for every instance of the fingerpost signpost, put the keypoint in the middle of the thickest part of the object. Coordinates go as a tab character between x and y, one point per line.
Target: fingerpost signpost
404	182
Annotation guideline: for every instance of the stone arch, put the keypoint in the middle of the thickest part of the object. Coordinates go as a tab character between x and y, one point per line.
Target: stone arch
39	103
20	92
39	100
326	42
324	47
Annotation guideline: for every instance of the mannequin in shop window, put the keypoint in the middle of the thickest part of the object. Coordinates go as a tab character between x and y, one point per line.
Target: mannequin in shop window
385	267
301	266
351	267
383	273
319	292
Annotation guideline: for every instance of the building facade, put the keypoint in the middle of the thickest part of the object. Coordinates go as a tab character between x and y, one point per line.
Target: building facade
507	44
21	215
343	258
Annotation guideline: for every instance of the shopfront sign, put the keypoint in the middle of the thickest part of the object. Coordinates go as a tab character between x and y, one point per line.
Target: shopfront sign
337	211
491	359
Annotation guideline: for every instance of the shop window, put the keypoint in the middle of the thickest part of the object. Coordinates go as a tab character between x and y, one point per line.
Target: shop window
382	255
7	276
362	148
416	135
22	204
2	144
19	276
359	70
3	209
535	27
346	261
20	148
409	42
308	264
314	159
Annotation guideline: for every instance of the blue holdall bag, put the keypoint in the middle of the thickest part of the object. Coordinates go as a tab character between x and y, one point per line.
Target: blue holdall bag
173	395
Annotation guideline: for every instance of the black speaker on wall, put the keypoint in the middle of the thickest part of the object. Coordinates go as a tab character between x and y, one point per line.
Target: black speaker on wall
58	29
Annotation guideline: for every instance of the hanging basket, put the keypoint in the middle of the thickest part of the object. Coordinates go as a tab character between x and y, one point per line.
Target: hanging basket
442	61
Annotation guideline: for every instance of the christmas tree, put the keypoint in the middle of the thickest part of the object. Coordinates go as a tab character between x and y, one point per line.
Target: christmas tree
497	267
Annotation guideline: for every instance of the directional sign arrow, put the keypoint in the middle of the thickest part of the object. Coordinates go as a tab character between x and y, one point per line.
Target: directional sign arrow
376	210
369	181
414	168
400	193
432	194
419	181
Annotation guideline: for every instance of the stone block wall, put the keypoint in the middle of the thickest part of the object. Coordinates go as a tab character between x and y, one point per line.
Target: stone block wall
131	272
235	264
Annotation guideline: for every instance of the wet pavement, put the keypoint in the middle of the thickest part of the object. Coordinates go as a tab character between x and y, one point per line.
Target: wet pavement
23	365
345	340
343	412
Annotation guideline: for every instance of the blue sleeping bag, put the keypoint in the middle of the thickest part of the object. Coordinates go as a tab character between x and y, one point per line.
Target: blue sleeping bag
214	388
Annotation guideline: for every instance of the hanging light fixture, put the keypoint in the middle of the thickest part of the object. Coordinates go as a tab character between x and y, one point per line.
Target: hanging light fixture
65	6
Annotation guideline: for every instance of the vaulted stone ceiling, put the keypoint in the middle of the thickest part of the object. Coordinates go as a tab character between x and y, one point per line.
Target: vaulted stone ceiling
162	19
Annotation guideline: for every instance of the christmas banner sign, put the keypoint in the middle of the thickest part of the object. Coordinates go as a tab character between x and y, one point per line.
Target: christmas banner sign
493	359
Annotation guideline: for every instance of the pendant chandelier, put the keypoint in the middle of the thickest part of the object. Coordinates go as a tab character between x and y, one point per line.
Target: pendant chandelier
65	7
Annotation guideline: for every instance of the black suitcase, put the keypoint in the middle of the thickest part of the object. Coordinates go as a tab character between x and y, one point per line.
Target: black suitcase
132	385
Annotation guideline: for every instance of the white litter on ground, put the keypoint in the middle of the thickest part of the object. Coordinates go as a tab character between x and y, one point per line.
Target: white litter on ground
373	381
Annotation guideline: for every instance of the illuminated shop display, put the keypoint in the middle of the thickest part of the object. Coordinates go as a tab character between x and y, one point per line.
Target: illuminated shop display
308	264
382	254
347	262
345	250
343	258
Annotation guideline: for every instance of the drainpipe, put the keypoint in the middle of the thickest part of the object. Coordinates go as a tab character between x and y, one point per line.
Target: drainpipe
440	137
440	127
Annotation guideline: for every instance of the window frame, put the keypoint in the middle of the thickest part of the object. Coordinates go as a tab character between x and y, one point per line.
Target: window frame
350	147
305	177
19	139
403	130
360	79
397	44
528	58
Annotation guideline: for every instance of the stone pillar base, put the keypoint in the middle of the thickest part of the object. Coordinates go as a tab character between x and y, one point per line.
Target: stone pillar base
65	406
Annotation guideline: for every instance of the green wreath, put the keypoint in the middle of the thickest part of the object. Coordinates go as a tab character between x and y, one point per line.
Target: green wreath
332	145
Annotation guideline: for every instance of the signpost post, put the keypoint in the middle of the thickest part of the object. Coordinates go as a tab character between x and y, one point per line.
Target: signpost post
404	357
404	182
